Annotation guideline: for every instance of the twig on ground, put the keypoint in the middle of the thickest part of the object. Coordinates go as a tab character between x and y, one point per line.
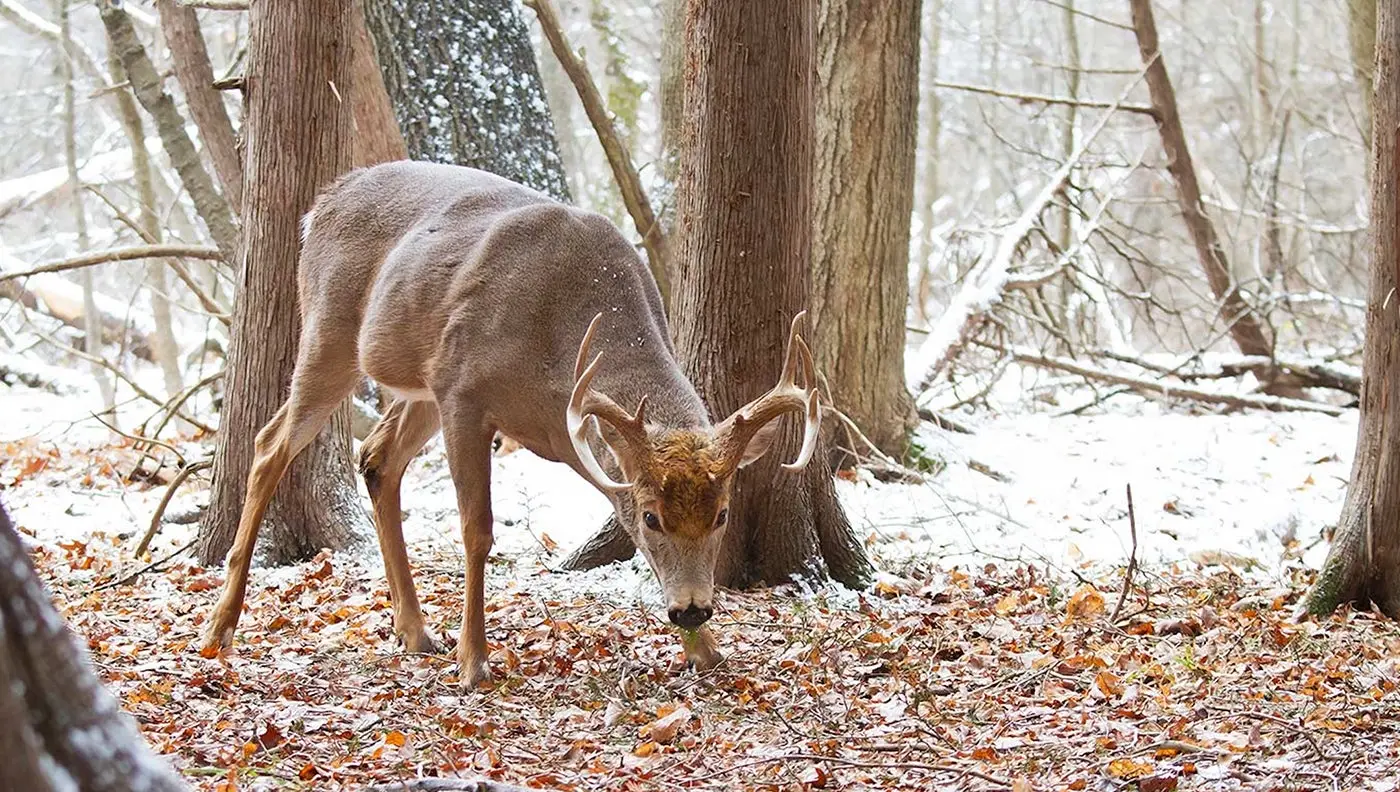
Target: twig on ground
943	421
1132	560
449	785
143	570
185	472
806	757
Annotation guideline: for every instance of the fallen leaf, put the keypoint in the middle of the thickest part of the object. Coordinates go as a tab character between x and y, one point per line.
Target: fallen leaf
1085	603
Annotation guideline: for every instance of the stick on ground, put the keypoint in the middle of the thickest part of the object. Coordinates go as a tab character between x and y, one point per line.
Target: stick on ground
1132	560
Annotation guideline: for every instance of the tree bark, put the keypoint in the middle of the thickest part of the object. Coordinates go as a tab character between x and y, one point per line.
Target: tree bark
1239	318
298	138
466	89
744	250
190	57
1363	563
377	135
59	728
672	90
866	127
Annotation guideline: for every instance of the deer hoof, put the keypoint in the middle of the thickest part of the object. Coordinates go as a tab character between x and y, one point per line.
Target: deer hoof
419	641
216	640
473	674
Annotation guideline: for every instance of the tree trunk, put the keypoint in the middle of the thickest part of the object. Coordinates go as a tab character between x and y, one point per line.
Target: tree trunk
190	57
298	140
92	322
745	221
1361	36
866	127
59	728
932	127
377	135
672	90
465	86
164	347
1239	318
1363	564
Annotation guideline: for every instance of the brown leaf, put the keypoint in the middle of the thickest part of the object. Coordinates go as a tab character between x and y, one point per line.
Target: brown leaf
1129	769
664	729
1108	683
1086	603
1157	783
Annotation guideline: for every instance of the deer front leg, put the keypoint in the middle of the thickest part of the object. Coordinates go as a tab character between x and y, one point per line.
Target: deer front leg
469	459
398	436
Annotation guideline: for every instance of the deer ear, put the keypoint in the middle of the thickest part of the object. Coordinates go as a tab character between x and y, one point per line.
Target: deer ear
761	444
616	445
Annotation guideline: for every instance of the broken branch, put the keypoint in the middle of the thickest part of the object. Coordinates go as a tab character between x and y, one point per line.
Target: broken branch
118	254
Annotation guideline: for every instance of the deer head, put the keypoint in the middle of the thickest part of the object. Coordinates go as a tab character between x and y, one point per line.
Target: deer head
673	498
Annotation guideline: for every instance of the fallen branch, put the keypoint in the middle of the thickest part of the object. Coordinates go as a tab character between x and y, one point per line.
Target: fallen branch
624	172
1158	388
217	5
1132	560
943	422
988	277
185	472
135	253
1066	101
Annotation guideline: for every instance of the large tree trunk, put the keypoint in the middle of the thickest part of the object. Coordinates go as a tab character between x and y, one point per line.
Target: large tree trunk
298	141
1239	318
744	249
466	88
1363	565
59	728
866	124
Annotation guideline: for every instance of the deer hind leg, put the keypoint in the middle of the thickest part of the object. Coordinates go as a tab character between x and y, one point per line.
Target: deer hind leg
325	374
468	442
396	439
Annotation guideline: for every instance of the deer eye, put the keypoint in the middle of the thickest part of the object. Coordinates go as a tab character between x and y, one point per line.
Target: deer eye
651	521
721	517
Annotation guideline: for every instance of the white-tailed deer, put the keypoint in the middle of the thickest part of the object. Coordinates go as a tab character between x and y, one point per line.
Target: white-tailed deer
476	302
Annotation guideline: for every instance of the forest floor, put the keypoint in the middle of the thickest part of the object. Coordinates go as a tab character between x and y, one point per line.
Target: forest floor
985	657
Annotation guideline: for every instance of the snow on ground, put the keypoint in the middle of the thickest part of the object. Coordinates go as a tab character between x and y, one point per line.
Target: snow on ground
1254	490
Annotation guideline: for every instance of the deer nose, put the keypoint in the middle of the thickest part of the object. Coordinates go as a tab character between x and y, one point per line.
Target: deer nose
690	617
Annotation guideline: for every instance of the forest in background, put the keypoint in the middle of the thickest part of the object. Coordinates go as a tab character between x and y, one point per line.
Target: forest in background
1024	214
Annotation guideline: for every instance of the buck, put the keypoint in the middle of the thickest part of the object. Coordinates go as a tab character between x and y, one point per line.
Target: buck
476	302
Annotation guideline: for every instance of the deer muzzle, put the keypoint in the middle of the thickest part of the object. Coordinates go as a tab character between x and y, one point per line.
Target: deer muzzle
691	616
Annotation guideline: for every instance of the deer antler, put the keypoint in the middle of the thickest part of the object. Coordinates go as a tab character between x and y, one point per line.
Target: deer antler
585	402
739	429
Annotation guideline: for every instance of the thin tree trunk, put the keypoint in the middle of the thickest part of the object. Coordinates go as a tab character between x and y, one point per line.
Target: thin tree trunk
212	207
442	61
672	91
1361	36
59	728
866	130
929	151
299	135
1243	326
164	347
190	57
745	213
1363	564
92	320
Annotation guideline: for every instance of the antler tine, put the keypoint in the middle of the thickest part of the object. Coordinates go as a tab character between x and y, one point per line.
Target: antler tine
584	345
786	396
585	403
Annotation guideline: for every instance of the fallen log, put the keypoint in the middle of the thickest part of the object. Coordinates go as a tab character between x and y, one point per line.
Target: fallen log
1168	390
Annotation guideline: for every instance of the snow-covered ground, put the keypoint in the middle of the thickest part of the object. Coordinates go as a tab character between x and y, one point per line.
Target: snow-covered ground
1254	490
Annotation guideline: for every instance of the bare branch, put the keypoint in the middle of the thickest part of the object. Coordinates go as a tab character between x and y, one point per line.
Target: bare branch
118	254
217	5
35	25
1067	101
